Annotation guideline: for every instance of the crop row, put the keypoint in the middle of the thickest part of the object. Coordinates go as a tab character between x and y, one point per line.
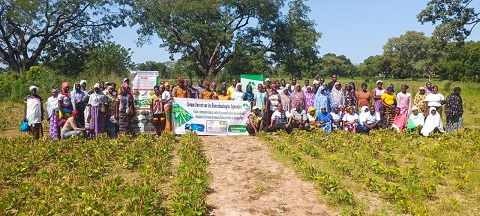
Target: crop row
192	178
75	176
400	173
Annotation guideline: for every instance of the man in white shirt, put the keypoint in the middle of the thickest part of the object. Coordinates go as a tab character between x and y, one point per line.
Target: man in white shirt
370	119
281	120
299	116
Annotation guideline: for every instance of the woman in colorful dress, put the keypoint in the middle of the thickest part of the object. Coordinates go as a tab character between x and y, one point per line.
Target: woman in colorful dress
350	120
404	101
111	113
389	100
454	110
309	98
125	111
52	115
285	99
350	96
428	88
98	108
400	120
336	95
419	99
322	99
325	120
167	100
64	104
249	96
377	95
297	96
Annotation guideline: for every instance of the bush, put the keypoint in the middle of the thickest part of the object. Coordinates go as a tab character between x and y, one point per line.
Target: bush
14	87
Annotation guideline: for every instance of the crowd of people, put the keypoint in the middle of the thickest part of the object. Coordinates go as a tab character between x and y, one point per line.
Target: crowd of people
275	105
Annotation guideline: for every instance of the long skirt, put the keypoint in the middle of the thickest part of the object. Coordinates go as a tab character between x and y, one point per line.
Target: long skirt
168	117
378	104
97	121
53	131
124	124
454	123
111	128
391	116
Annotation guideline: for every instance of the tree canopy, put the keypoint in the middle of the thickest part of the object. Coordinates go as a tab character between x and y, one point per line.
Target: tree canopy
214	33
28	27
456	18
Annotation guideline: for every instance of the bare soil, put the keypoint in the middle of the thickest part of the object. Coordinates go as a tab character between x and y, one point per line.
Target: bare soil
248	181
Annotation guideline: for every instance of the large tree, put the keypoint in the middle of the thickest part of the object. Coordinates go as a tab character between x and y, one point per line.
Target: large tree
28	27
410	55
213	33
456	18
339	65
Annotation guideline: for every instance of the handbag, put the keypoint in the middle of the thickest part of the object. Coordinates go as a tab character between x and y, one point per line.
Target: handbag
24	127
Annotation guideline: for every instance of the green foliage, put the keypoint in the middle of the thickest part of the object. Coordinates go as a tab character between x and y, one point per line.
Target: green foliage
108	59
410	55
295	38
212	34
29	27
456	18
191	181
386	172
460	62
125	176
340	65
154	66
15	87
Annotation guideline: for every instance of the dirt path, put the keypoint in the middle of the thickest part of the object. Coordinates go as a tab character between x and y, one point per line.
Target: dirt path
248	181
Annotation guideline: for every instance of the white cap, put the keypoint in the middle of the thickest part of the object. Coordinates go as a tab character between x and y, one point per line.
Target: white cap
414	108
33	87
267	79
96	85
255	108
316	82
124	80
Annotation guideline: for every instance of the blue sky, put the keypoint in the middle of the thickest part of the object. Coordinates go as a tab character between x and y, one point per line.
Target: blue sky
354	28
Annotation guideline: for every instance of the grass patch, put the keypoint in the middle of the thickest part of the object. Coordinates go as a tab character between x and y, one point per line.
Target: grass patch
387	172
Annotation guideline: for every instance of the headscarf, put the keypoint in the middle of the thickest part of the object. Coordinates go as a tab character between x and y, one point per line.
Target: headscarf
418	119
322	100
54	91
309	98
64	85
297	96
238	94
74	112
428	90
432	122
337	96
236	87
83	81
33	87
419	101
124	85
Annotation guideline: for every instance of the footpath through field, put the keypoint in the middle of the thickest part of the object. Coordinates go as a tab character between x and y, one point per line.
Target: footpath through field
248	181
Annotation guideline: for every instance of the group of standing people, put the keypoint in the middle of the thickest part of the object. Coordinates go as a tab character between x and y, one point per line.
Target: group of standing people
87	112
329	106
275	105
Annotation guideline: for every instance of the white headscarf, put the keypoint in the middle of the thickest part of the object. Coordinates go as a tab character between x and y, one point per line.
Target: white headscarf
238	94
418	119
33	87
432	122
